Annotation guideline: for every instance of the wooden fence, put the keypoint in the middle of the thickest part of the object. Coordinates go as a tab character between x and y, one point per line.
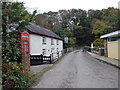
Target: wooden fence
40	59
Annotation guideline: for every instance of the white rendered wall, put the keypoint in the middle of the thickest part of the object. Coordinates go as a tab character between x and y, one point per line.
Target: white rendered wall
37	46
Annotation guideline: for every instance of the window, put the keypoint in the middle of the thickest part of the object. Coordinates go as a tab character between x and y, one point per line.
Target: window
52	42
25	36
57	42
52	50
44	51
113	39
44	40
57	50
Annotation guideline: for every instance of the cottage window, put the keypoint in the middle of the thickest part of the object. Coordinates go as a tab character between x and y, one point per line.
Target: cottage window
57	50
52	50
57	42
44	51
52	42
44	40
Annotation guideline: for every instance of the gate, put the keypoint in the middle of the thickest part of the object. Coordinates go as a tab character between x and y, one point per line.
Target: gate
40	59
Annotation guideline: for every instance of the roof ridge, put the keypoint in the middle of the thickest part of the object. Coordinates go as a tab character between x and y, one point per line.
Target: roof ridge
42	31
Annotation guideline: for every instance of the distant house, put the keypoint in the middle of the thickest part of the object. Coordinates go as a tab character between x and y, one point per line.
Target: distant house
112	44
44	41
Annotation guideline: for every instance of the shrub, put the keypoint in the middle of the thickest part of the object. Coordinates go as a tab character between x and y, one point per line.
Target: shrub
95	49
88	48
14	77
99	43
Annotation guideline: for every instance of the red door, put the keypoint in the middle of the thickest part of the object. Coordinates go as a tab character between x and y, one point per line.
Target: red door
25	49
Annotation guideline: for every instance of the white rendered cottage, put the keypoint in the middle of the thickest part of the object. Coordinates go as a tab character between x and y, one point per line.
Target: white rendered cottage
44	41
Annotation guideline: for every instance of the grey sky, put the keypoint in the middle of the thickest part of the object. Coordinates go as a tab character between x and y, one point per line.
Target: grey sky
55	5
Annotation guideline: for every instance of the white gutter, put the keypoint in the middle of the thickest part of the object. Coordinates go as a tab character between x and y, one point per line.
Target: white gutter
112	34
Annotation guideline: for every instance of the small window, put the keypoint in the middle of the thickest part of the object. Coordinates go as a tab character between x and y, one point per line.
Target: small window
44	51
44	40
113	39
57	42
52	42
26	42
25	36
52	50
57	50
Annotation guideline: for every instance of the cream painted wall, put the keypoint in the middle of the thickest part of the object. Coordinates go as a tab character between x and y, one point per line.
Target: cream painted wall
114	49
36	46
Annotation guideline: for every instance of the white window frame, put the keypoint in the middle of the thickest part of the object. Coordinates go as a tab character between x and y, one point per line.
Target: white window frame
52	50
52	41
57	50
44	52
43	40
57	42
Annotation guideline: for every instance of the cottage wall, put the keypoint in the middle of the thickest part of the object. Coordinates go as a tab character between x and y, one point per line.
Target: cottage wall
37	46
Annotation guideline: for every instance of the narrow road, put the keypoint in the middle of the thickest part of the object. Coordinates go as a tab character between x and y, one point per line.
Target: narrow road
79	70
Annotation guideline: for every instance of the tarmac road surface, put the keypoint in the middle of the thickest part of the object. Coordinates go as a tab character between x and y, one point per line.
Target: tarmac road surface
79	70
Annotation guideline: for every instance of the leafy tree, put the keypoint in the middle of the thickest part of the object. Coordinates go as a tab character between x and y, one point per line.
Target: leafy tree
80	24
13	24
100	28
99	43
41	20
95	14
14	20
118	24
72	42
110	17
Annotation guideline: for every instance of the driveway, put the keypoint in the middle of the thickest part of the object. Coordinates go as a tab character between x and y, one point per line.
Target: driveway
79	70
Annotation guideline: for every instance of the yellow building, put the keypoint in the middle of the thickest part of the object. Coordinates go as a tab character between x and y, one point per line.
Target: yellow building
112	44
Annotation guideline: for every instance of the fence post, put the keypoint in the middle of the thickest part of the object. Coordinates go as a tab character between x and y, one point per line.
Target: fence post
58	54
52	56
50	60
41	58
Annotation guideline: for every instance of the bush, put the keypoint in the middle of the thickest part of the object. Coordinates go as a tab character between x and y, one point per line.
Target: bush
99	42
95	49
14	77
88	48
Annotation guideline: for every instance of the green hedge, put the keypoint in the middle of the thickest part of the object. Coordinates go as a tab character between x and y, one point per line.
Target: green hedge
14	76
95	49
88	48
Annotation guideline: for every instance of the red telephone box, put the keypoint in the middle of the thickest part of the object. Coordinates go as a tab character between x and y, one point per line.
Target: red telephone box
25	49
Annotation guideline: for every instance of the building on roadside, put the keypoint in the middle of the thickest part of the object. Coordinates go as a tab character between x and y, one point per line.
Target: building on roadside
44	41
112	44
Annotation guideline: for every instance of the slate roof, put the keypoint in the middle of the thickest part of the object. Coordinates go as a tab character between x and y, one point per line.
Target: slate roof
35	29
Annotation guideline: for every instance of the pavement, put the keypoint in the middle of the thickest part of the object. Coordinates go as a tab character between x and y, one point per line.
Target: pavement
38	68
107	60
80	70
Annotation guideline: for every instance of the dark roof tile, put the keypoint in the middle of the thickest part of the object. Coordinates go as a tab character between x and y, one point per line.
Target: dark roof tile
42	31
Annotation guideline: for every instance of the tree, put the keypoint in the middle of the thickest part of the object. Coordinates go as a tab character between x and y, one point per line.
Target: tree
13	24
95	14
14	20
72	42
80	24
100	28
110	17
99	43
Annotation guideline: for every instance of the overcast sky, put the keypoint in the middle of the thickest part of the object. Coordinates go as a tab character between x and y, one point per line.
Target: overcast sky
55	5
